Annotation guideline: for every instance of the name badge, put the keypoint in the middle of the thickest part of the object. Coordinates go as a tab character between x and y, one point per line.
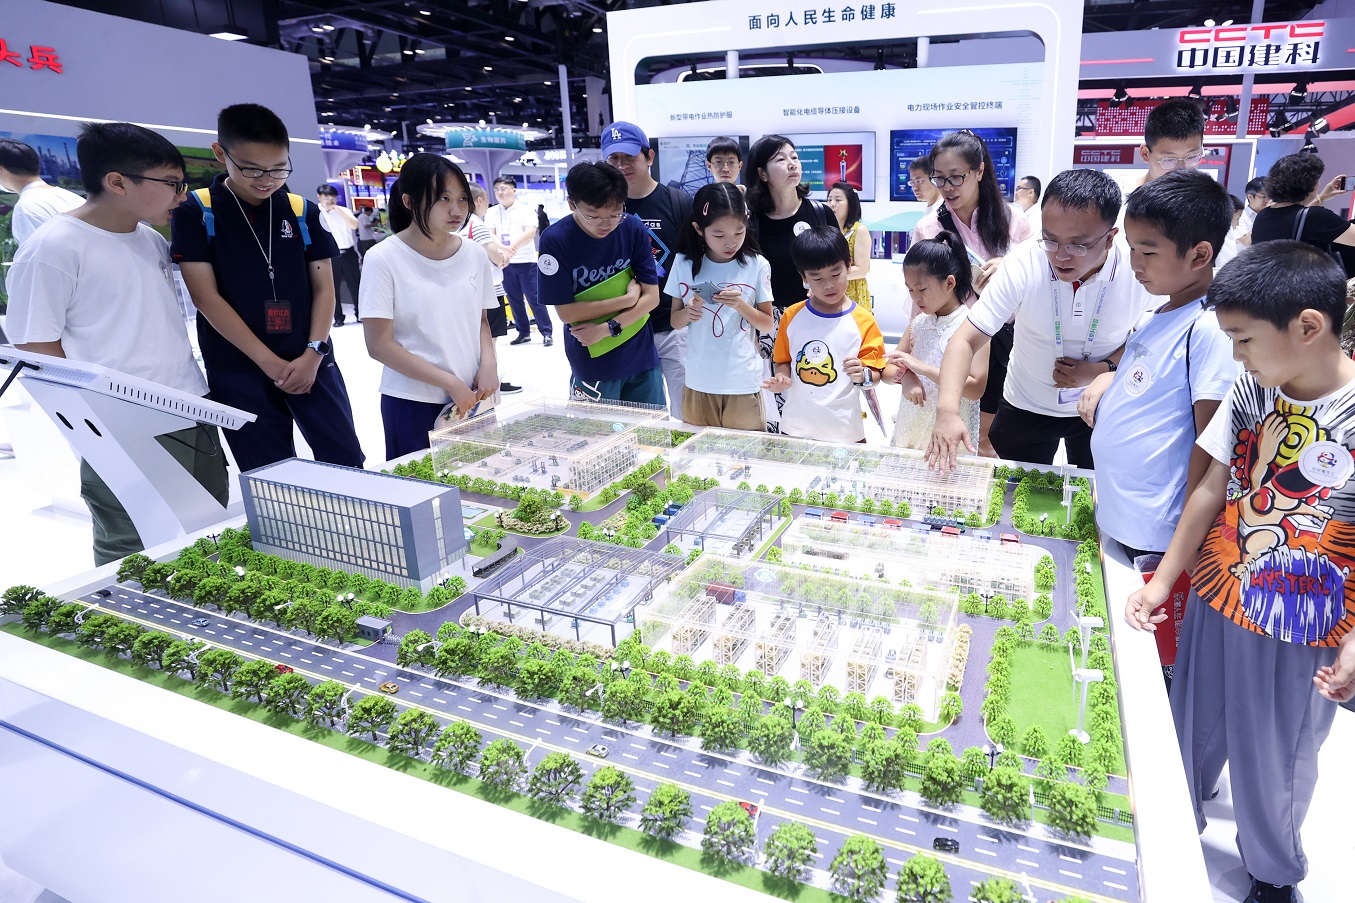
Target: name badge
277	317
1070	395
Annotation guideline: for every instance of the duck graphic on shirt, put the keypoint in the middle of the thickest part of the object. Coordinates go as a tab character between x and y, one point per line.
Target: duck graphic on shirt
814	364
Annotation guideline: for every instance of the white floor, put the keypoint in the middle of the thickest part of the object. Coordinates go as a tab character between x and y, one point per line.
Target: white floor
40	544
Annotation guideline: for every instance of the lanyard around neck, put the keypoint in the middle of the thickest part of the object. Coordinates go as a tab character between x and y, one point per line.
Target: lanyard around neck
267	255
1096	312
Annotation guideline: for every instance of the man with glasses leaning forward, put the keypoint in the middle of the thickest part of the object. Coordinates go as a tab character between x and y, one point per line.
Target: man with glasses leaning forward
256	261
1075	300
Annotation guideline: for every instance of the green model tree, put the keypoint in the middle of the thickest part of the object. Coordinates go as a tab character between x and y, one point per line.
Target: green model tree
286	695
789	849
951	706
502	764
1070	750
770	739
942	780
371	715
722	730
1006	796
326	704
625	701
556	779
457	746
133	567
1072	811
416	648
609	794
924	880
536	679
996	890
729	833
179	657
828	754
858	870
219	666
411	732
666	810
149	649
253	679
1035	742
457	657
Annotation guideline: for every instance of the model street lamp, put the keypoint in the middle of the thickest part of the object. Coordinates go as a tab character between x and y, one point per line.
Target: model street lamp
623	668
992	751
796	706
239	571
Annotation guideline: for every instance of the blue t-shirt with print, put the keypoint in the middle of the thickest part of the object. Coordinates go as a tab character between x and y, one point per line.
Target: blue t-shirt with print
570	262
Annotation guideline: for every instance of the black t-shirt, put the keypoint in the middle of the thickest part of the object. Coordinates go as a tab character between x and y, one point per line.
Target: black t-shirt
242	271
662	218
1320	229
774	237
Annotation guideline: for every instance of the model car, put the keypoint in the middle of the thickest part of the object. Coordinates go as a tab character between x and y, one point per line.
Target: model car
201	622
283	669
103	593
750	808
389	687
946	844
597	749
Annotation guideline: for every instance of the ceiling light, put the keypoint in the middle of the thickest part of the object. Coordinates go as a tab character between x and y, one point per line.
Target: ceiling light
408	52
230	33
326	27
1227	22
547	84
425	12
1120	96
1309	145
597	29
467	88
317	29
367	125
418	50
1299	92
517	100
429	121
1278	123
326	59
1208	23
509	37
524	125
1320	126
1196	91
327	114
489	68
482	122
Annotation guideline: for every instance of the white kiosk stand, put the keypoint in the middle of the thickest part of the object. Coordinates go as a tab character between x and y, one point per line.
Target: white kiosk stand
112	420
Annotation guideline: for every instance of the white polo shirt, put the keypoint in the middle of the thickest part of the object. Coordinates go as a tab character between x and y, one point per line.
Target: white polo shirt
507	223
1025	286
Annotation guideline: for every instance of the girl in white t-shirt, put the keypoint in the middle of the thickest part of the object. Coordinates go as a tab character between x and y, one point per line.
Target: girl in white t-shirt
724	291
937	273
424	297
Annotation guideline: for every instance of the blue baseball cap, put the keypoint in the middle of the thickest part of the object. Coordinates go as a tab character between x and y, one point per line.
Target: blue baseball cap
623	138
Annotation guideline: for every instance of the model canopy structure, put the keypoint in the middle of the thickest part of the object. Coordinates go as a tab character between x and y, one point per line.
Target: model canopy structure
867	472
725	521
577	446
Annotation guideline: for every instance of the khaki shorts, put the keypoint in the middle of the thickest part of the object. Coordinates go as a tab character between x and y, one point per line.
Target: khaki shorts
733	412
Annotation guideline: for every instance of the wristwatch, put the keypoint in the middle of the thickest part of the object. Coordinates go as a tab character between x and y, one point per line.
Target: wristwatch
320	347
1111	364
614	327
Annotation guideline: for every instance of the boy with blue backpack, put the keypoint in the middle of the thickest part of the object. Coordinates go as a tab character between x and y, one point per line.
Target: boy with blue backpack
256	260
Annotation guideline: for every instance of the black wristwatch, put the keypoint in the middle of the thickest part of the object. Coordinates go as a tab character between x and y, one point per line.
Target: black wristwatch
614	327
1111	364
321	347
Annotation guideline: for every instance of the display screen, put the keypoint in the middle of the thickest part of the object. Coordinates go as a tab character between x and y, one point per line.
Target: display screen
681	162
906	145
828	157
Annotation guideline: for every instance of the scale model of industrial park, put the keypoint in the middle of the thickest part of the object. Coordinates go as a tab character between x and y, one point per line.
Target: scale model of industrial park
822	661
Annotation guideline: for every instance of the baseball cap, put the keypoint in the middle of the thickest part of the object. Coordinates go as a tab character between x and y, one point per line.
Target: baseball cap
623	138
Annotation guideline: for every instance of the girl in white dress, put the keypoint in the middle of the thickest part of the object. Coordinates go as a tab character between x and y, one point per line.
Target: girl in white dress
938	276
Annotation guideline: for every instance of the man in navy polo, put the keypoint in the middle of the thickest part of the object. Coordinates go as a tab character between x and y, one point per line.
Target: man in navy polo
257	264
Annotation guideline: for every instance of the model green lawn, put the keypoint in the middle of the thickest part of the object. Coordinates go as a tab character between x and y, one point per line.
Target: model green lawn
1046	698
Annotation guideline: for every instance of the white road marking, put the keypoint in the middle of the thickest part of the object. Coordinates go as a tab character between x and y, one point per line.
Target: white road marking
796	802
415	693
328	667
502	708
726	783
985	852
765	781
539	730
732	771
574	740
798	789
306	660
695	774
834	799
906	831
141	611
829	811
288	654
464	708
1109	869
1028	863
551	721
1069	859
211	632
1114	885
246	643
949	828
707	808
405	679
491	715
1020	846
987	838
348	673
865	820
359	667
909	817
438	699
656	764
669	755
1069	874
517	723
156	614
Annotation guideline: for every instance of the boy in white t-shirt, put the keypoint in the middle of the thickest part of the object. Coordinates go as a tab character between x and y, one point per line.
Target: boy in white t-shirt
1174	371
38	201
97	285
827	347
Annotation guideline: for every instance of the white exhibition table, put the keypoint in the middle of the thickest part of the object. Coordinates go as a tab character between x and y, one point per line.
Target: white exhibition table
117	791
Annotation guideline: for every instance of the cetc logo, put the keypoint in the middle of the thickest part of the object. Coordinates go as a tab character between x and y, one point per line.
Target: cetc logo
1269	45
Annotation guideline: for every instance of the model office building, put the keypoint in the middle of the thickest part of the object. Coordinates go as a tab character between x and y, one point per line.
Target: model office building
403	531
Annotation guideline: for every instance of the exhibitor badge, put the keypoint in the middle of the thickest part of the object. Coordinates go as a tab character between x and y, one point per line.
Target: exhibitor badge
1327	463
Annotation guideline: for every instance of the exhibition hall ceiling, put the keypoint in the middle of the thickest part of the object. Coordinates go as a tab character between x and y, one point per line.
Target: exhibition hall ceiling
388	63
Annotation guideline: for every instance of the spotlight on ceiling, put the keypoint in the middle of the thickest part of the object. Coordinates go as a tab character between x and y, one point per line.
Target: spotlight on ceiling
1279	123
1121	96
1299	93
1230	109
1309	144
1319	126
1196	91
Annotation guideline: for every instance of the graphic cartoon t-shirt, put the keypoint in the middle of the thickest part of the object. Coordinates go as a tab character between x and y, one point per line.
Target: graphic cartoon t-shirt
822	402
1278	559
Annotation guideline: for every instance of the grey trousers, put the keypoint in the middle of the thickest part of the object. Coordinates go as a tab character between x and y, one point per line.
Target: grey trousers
672	348
1247	700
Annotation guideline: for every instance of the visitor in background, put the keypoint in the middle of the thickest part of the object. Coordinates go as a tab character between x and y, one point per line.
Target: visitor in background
428	293
515	225
368	222
1236	232
342	224
1173	138
724	157
846	206
724	296
920	180
481	235
1296	211
38	202
1027	198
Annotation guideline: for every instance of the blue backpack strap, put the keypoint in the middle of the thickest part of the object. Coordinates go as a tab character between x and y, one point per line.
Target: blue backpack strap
203	197
299	207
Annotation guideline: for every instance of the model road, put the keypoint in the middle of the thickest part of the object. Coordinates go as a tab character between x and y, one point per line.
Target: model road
832	812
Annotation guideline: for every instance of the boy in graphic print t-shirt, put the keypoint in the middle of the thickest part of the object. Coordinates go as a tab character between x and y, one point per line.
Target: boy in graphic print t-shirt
827	347
597	271
1266	642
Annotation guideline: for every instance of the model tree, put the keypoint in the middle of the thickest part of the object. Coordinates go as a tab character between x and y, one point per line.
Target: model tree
556	779
1003	730
1035	742
411	732
121	636
536	679
609	794
942	779
416	648
1070	751
1006	796
457	657
974	763
729	833
996	890
951	706
722	730
500	666
666	810
286	695
149	648
675	712
1071	810
882	765
219	666
371	715
910	716
252	680
770	739
828	754
501	764
789	849
326	704
924	880
625	701
858	870
457	746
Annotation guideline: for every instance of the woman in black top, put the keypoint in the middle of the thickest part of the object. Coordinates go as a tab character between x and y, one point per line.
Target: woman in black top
1296	210
778	202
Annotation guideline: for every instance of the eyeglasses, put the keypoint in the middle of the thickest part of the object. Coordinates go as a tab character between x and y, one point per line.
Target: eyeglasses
1192	160
612	219
179	185
1053	247
918	180
952	181
250	172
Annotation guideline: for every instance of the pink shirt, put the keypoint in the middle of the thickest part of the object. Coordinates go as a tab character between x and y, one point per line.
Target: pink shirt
930	227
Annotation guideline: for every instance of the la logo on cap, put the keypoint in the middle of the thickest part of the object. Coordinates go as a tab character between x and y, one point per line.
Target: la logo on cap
616	134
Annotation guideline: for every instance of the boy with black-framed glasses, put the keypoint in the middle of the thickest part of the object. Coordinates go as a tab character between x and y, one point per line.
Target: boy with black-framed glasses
96	285
256	261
